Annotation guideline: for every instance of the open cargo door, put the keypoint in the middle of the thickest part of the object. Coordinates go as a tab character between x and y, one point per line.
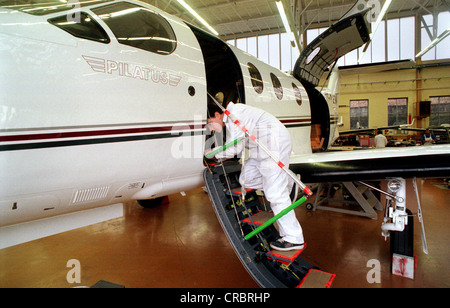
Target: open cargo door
342	37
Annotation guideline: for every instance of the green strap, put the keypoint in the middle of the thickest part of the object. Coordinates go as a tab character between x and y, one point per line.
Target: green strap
224	147
276	217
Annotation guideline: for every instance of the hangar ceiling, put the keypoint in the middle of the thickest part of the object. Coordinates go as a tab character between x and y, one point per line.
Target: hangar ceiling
243	18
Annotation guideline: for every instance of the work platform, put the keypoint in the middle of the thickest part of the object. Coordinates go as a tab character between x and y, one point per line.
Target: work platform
361	194
238	217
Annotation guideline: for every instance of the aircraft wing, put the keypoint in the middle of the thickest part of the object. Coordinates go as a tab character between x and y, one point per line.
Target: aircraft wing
440	129
373	130
375	164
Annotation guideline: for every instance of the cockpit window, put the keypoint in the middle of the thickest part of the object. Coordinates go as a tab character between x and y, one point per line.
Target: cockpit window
81	25
277	86
255	75
138	27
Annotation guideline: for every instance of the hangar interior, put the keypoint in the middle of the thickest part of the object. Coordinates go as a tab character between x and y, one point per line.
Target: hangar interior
181	244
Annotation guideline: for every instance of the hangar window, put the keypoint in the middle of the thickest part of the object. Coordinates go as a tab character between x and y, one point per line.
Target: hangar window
435	24
255	75
278	89
138	27
359	114
298	94
397	111
86	28
440	110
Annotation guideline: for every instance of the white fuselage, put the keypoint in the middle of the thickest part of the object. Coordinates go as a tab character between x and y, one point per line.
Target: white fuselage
85	124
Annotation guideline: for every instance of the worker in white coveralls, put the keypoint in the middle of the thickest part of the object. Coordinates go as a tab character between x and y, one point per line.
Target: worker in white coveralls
260	171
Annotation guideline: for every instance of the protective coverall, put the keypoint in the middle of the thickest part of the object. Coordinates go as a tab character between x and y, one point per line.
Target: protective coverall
260	171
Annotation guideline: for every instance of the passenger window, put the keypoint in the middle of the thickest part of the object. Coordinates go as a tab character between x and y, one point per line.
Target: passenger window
255	75
277	86
138	27
312	55
298	94
87	28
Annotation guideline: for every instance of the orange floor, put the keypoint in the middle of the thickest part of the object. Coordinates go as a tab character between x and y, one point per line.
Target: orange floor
181	244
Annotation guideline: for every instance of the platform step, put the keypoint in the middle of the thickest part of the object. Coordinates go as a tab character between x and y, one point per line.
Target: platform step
317	279
285	257
237	192
259	218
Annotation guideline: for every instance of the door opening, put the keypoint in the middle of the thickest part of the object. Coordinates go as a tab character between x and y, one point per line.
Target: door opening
320	119
223	73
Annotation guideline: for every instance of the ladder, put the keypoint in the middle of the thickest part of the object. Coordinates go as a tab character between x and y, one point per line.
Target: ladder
362	195
241	216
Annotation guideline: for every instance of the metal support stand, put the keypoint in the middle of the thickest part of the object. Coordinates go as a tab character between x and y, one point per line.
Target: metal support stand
361	193
419	215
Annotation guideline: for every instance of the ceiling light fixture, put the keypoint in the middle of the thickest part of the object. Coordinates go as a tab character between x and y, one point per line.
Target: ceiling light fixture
285	22
377	23
199	18
436	41
381	16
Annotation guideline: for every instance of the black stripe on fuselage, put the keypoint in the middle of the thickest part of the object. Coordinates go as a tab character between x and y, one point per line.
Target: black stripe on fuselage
433	165
78	142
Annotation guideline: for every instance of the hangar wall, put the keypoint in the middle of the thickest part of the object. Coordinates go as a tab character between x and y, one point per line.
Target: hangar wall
377	87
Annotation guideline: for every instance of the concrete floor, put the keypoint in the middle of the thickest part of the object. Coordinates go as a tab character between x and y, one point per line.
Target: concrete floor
181	244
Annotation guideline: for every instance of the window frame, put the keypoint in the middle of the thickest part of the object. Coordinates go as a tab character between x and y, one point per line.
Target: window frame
277	86
256	78
441	119
398	102
58	22
359	109
297	94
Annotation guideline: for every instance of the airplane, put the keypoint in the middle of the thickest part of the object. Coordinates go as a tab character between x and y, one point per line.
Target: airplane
105	101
